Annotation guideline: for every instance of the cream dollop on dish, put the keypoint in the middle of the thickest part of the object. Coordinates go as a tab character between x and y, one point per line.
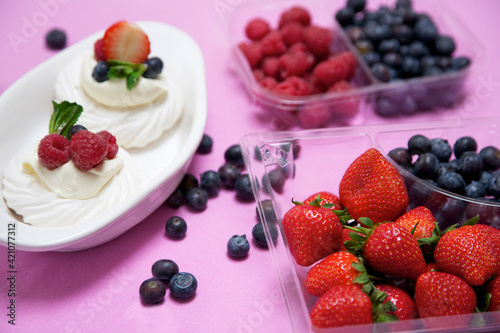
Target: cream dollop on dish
136	117
28	190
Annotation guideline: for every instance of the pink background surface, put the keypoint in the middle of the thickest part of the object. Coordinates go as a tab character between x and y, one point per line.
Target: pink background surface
97	290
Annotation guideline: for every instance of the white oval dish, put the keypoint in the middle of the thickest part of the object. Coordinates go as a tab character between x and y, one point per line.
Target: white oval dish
25	109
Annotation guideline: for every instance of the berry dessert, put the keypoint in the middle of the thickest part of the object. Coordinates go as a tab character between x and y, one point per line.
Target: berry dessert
123	89
72	174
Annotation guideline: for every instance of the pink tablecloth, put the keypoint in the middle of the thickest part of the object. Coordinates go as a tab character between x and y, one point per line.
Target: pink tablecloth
96	290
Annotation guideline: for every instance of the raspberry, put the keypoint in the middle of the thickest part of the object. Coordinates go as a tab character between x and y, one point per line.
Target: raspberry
252	52
272	44
337	68
318	40
298	47
350	60
98	51
268	82
295	14
53	151
271	66
293	86
87	150
258	74
256	29
112	145
348	105
292	33
314	115
293	64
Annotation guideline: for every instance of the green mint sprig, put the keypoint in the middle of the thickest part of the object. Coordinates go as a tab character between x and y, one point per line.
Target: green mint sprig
122	69
64	116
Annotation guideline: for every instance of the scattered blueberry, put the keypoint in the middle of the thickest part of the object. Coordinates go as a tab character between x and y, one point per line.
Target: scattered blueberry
100	72
188	182
196	199
210	182
238	246
234	155
259	236
183	285
276	179
491	158
419	144
75	129
176	227
176	199
154	67
56	39
152	291
206	145
257	155
164	269
452	182
268	211
464	144
243	187
228	174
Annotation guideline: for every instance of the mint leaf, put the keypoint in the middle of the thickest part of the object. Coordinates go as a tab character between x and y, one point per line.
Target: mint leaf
122	69
133	79
64	116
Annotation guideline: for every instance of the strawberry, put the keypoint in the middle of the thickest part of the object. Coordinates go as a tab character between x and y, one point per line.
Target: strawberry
493	288
493	235
335	269
443	294
342	305
406	308
421	215
372	187
312	232
390	249
467	253
125	41
326	198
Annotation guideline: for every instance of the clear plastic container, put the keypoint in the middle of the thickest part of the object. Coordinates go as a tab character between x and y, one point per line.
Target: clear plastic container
372	97
319	164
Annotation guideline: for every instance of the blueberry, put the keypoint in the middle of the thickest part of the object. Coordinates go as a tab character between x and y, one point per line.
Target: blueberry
403	33
386	108
426	166
491	158
176	199
442	149
408	105
196	199
470	165
238	246
75	129
164	269
355	34
205	145
176	227
475	189
259	236
494	185
485	177
393	60
452	182
183	285
410	66
401	156
444	45
426	31
463	144
404	50
376	32
381	72
409	17
432	71
154	67
188	182
243	187
210	182
404	4
56	39
443	62
152	291
459	63
345	16
276	179
267	211
419	144
389	45
100	72
446	167
418	49
256	154
234	155
356	5
228	174
427	62
372	58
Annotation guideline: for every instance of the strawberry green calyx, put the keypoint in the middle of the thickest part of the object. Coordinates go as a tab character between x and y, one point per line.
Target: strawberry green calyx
437	234
64	116
121	69
343	215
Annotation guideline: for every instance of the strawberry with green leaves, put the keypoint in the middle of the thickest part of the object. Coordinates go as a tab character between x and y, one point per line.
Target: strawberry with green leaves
372	187
388	248
326	198
493	289
467	253
312	232
125	41
406	308
443	294
421	219
335	269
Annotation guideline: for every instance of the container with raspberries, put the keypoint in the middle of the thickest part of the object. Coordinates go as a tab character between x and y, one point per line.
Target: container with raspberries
312	64
321	163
